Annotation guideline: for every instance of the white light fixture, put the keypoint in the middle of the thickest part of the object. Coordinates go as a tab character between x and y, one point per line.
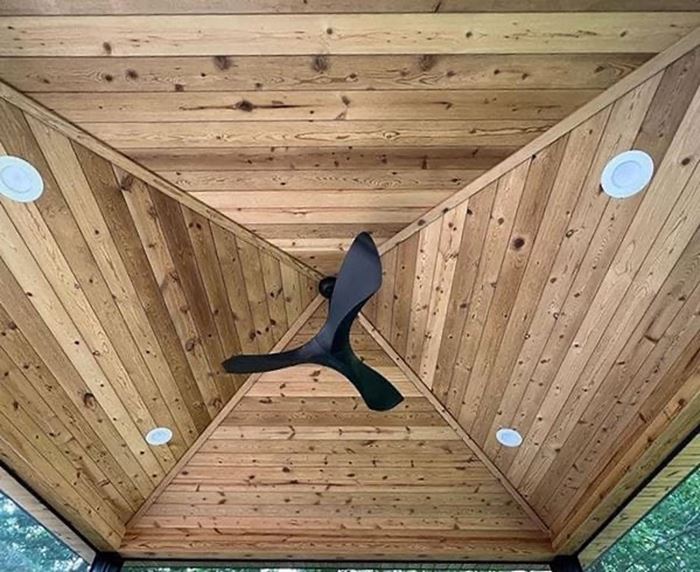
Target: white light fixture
509	437
627	173
19	180
159	436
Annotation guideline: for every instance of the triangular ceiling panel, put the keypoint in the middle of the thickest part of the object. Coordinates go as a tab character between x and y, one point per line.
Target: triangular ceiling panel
301	466
119	303
532	300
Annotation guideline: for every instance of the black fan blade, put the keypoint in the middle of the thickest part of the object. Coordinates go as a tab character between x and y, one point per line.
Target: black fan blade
377	391
266	362
359	278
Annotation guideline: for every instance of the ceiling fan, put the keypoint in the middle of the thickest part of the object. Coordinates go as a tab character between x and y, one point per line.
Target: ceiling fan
359	278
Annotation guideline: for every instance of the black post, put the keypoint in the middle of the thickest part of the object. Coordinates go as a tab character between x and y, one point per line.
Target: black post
107	562
565	564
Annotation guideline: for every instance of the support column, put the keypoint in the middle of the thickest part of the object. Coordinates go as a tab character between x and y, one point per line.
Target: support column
107	562
565	564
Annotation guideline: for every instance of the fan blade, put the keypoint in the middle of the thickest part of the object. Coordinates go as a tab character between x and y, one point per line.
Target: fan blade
266	362
359	277
376	390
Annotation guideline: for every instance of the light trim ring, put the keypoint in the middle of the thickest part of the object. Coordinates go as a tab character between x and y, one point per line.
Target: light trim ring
19	180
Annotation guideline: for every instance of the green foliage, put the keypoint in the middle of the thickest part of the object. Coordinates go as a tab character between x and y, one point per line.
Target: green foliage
26	546
667	539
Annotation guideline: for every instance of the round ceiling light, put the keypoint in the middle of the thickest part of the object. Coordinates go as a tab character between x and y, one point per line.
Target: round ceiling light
159	436
509	437
19	180
627	173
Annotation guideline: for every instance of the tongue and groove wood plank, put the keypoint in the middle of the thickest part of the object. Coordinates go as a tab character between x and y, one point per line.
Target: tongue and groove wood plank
66	7
310	34
319	105
320	72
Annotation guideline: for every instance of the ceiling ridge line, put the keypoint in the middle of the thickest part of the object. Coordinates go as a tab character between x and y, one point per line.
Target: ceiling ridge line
452	422
655	65
225	411
116	157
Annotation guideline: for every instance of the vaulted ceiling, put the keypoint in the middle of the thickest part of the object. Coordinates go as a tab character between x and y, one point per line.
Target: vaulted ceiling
201	162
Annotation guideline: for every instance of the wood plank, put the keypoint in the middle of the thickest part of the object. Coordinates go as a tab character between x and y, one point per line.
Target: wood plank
403	291
65	7
256	294
318	105
140	203
121	162
656	65
318	72
109	196
596	228
225	410
50	305
544	168
207	260
495	132
611	300
473	236
345	34
69	408
480	157
451	230
308	180
51	484
426	260
503	214
150	371
453	545
579	153
25	332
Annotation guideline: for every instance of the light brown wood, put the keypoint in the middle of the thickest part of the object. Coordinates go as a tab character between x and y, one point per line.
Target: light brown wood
100	342
223	414
306	468
515	293
657	64
572	317
480	33
57	7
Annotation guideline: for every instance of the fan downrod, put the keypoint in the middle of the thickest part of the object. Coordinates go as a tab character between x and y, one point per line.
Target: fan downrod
326	286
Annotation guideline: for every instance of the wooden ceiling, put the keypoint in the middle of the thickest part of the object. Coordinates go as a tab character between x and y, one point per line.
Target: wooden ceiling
308	121
515	292
534	301
300	466
119	303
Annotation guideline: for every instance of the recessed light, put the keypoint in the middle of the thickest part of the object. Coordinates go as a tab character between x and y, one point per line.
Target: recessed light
509	437
19	180
159	436
627	173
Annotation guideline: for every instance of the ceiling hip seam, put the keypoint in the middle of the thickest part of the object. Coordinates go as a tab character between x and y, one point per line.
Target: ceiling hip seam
625	85
104	150
225	411
469	442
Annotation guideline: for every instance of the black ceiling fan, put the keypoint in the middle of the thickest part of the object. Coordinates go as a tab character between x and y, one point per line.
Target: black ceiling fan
359	278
